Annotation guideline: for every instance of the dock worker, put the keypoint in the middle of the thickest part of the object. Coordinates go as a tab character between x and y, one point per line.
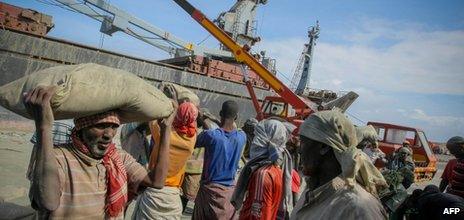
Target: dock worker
367	137
343	183
403	163
166	203
267	178
88	177
453	175
407	144
223	149
194	165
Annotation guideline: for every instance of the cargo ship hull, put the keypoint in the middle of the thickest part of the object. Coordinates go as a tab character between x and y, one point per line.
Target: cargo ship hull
23	53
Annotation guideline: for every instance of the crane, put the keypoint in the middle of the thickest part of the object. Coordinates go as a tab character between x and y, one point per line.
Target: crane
114	19
325	99
276	106
287	105
303	69
239	22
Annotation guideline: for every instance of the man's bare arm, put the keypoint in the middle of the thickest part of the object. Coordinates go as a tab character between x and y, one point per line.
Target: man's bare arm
157	176
45	183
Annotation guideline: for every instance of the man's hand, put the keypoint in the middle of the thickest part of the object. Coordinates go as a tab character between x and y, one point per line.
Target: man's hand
170	92
167	122
37	103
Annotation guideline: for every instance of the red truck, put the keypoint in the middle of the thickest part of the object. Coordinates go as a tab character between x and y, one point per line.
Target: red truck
391	138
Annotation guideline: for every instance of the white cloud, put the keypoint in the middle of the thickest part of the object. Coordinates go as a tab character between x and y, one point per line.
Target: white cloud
388	64
416	60
336	82
441	121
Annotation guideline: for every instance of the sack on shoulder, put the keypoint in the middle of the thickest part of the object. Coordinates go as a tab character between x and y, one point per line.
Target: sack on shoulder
88	89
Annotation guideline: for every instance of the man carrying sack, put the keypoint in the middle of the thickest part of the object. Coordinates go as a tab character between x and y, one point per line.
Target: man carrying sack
88	177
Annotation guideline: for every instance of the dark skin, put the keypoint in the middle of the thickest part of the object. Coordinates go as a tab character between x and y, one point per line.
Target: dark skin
227	124
318	162
458	151
202	118
293	144
97	137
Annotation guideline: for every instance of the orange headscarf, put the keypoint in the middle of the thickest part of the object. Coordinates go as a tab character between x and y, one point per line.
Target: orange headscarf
186	118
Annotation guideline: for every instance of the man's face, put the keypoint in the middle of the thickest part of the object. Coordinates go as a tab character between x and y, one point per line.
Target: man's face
293	144
403	155
310	151
364	144
98	138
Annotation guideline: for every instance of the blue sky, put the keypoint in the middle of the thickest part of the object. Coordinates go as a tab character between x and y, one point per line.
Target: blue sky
404	58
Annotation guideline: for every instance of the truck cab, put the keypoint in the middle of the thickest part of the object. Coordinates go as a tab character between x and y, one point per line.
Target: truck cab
391	138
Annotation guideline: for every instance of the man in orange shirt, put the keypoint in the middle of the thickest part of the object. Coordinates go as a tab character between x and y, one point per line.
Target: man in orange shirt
166	203
267	176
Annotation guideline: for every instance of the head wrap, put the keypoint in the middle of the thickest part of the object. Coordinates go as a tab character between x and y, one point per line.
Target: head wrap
116	175
405	150
250	123
336	130
269	140
267	147
455	141
106	117
185	120
249	128
367	132
290	127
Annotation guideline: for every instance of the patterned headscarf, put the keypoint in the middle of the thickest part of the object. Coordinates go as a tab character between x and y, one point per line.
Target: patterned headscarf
367	132
335	130
107	117
116	194
185	120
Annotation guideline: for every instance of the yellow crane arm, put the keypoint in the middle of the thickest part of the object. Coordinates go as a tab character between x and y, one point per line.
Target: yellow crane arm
242	55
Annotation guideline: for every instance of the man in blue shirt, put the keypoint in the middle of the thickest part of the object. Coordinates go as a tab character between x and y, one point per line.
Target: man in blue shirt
223	148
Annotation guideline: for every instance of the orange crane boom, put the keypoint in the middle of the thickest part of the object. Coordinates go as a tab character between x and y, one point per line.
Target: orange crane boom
241	55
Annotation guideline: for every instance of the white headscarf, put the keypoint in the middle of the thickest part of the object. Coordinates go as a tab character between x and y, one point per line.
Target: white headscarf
336	130
270	139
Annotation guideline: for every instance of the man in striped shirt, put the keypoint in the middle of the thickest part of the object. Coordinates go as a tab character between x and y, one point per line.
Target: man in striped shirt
88	178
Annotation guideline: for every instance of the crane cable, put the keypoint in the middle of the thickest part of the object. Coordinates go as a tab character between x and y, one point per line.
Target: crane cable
102	35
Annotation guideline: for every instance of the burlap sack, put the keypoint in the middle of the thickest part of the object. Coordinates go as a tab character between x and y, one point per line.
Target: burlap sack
87	89
183	93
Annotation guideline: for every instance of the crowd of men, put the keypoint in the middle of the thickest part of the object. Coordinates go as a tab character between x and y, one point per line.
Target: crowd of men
268	170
